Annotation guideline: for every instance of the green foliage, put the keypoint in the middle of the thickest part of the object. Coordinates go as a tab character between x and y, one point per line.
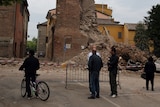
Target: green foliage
141	39
32	44
8	2
153	31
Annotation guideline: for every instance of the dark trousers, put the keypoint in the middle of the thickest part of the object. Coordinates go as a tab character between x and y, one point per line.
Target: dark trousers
94	79
90	81
113	82
151	79
29	77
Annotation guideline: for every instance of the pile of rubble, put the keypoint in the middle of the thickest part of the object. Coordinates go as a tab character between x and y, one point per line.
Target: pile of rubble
9	61
104	42
131	52
124	51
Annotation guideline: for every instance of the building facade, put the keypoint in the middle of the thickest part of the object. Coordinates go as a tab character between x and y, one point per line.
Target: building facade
64	40
67	39
41	40
122	33
51	21
13	33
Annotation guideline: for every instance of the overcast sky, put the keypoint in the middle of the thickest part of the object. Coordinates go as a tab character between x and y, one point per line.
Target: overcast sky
124	11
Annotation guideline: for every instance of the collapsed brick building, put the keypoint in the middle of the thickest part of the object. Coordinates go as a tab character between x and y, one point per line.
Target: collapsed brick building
74	29
88	27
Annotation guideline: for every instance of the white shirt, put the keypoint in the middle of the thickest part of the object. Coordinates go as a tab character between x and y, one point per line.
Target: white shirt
90	54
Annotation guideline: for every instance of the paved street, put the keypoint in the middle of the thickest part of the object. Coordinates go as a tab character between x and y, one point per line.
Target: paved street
132	93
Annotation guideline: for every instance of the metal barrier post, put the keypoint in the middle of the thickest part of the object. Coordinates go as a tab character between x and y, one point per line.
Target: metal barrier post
66	76
118	81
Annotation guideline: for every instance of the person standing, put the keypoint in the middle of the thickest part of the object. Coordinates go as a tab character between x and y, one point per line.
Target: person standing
93	49
149	69
95	64
89	55
30	66
113	68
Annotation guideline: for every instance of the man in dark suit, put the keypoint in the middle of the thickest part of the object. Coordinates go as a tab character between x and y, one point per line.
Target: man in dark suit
95	64
112	68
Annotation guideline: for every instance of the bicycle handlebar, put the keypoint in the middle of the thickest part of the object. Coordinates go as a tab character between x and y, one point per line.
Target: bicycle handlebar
36	75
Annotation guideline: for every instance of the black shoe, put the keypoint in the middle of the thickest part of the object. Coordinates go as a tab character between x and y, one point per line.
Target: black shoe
36	94
97	96
146	88
91	97
29	96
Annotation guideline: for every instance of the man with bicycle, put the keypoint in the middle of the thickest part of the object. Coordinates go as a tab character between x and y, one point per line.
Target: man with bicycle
30	66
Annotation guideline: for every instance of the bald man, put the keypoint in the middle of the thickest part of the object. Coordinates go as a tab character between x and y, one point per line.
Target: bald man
94	49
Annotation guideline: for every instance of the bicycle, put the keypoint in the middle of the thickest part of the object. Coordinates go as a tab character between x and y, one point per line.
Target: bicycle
39	89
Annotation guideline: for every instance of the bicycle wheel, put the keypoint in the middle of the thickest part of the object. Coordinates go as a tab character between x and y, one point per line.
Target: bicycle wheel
43	90
23	88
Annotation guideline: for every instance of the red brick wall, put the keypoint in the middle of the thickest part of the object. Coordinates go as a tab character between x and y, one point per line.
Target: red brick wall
12	31
6	30
67	25
19	33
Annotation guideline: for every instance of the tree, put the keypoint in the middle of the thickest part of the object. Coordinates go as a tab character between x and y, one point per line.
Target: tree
141	39
32	45
8	2
153	31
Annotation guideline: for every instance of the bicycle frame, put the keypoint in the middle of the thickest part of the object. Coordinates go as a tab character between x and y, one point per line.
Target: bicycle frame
38	88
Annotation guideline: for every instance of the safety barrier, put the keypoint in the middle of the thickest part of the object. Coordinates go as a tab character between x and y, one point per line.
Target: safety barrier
80	73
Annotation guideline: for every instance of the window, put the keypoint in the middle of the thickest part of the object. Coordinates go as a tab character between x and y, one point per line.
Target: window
68	41
46	39
119	35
